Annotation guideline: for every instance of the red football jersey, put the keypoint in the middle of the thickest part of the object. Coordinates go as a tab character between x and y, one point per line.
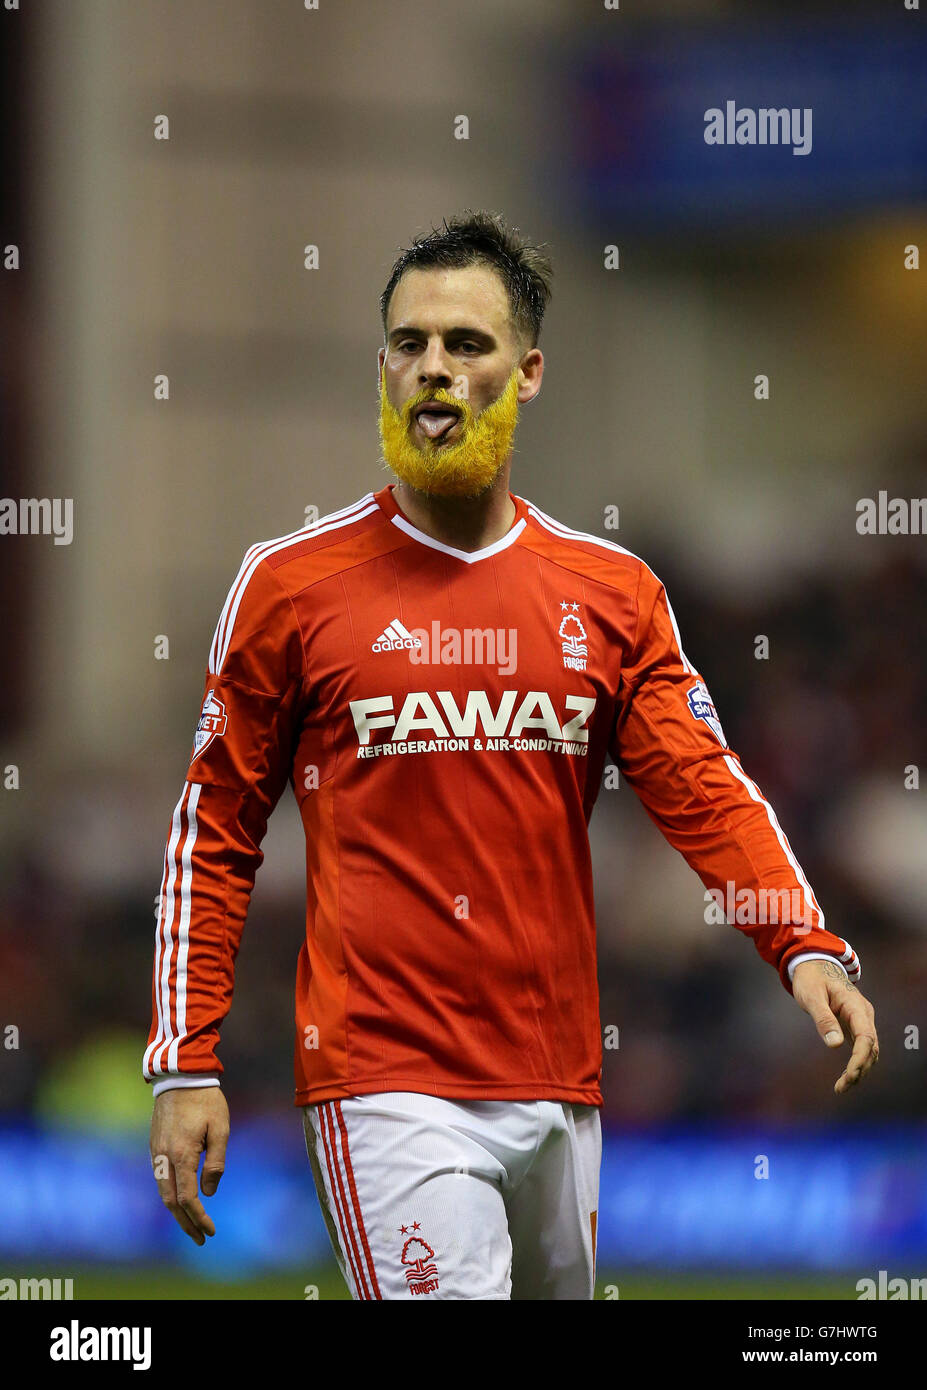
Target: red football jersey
444	718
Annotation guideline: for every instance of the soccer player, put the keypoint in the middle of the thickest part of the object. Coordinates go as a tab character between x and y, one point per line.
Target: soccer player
440	671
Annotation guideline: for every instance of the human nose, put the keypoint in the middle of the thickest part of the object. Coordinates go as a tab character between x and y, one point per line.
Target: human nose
433	366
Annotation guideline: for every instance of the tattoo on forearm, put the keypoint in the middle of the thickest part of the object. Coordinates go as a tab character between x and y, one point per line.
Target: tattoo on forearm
836	973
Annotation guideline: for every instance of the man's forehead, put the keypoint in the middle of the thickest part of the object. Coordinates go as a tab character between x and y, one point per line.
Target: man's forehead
441	296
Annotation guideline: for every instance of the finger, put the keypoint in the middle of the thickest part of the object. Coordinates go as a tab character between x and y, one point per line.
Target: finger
217	1138
187	1196
857	1014
865	1053
167	1187
163	1171
825	1020
185	1224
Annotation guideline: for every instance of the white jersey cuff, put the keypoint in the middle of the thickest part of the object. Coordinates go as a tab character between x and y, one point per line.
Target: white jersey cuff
184	1081
814	955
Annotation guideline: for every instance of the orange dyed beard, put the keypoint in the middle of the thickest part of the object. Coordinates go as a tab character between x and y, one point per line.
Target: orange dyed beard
467	467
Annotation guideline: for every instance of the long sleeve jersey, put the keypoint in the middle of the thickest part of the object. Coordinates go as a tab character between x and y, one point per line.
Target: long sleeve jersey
443	718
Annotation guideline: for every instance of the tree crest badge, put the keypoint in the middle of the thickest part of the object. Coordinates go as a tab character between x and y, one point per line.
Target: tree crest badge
573	637
421	1270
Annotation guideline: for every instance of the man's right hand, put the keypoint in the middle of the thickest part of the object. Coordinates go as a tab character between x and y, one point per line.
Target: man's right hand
186	1121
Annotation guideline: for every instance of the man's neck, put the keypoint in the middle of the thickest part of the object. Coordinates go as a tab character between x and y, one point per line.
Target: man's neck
466	523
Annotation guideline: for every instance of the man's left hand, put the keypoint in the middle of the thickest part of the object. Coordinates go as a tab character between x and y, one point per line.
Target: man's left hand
822	989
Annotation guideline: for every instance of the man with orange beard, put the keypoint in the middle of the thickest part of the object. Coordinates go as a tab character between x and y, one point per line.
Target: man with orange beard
448	1051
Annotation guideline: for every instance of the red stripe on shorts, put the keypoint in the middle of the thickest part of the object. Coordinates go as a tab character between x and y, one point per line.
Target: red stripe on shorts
326	1125
357	1211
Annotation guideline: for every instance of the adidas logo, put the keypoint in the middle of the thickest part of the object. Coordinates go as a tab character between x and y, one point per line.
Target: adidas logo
396	638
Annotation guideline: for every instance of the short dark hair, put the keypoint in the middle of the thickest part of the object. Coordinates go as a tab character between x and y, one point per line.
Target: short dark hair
482	238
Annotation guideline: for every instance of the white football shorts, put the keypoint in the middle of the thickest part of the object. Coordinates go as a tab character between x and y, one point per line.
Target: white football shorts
428	1198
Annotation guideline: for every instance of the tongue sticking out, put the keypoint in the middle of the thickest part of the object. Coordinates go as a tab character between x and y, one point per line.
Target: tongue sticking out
434	425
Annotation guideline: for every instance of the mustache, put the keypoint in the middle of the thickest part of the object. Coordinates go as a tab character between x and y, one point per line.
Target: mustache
437	396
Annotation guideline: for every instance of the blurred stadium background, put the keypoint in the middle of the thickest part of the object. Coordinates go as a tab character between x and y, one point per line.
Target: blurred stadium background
335	127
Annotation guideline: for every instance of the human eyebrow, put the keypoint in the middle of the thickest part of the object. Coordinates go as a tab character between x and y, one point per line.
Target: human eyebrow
467	332
478	335
462	333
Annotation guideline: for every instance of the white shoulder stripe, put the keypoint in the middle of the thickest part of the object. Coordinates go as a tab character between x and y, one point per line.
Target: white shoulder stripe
162	929
567	533
183	927
331	522
255	551
164	939
672	617
753	789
